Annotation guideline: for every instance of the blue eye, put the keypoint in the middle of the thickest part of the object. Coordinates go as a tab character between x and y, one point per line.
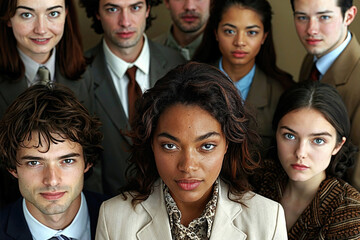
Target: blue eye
319	141
54	14
136	8
32	163
252	33
289	136
69	161
302	18
26	15
111	10
229	31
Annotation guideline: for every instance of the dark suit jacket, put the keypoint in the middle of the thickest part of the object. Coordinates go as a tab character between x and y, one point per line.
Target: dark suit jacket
111	113
13	225
344	75
9	91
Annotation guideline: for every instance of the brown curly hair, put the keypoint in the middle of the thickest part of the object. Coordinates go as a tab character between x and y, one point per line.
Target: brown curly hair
204	86
43	111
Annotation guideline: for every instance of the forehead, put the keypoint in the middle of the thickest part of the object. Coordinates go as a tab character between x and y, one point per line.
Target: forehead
241	16
40	3
121	3
316	5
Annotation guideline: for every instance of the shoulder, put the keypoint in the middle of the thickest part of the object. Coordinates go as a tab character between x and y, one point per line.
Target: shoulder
161	39
160	51
94	51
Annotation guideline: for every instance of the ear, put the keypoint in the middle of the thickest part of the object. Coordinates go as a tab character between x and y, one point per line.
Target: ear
9	23
339	146
13	172
89	165
350	15
147	11
264	37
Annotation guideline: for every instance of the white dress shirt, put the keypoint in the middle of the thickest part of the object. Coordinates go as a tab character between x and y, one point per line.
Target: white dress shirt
117	68
79	228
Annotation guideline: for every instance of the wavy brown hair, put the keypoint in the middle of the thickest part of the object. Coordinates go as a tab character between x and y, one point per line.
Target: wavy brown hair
51	113
69	51
204	86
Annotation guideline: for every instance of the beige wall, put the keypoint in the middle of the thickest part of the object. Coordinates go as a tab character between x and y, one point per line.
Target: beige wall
289	50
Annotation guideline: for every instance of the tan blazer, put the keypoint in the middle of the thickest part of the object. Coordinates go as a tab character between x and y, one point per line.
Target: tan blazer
344	74
261	219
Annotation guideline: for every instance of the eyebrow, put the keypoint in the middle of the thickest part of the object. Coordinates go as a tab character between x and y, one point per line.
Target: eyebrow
200	138
33	10
34	158
317	13
247	27
116	5
313	134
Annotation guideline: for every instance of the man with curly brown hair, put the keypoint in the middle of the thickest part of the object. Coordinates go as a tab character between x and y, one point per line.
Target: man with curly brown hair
48	142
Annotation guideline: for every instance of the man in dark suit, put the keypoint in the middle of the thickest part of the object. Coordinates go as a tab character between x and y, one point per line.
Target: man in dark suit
333	55
48	142
124	46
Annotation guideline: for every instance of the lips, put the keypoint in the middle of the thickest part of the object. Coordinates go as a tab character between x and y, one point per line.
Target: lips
239	54
312	41
299	167
189	18
125	34
52	195
188	185
40	41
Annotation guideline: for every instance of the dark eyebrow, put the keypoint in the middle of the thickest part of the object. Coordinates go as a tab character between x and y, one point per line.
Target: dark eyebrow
313	134
318	13
33	10
248	27
34	158
116	5
200	138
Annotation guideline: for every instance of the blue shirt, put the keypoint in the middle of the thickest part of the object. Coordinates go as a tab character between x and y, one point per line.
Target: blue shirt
243	84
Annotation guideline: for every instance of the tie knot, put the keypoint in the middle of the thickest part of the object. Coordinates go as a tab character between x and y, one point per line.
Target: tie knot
131	72
43	75
315	74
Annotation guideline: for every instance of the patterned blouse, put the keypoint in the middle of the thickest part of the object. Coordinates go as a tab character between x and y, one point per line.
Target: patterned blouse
198	229
334	213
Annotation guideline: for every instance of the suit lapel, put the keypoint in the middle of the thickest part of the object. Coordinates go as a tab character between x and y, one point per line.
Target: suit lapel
11	90
226	212
157	64
105	92
158	227
17	226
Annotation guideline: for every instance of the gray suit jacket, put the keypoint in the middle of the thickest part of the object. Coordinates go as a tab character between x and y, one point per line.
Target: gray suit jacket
261	218
111	113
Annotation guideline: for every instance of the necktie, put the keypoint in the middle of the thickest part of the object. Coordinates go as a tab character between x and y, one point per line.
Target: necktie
134	91
314	74
61	237
44	75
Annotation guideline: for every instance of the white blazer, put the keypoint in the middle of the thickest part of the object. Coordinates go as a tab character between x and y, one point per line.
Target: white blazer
262	219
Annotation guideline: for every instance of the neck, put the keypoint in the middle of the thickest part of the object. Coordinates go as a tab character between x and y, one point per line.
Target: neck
56	221
306	190
237	72
129	54
184	39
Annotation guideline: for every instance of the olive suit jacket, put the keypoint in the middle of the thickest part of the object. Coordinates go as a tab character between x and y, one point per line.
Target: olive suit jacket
111	113
344	75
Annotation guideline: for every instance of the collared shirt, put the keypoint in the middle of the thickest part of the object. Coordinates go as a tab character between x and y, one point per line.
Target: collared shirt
31	67
198	229
79	228
243	85
117	68
325	62
188	50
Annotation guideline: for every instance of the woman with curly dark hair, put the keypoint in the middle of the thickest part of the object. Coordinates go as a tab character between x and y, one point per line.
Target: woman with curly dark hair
313	153
193	152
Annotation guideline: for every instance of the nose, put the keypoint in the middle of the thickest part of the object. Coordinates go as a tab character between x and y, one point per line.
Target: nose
124	19
40	25
301	151
239	39
51	176
188	163
313	27
189	5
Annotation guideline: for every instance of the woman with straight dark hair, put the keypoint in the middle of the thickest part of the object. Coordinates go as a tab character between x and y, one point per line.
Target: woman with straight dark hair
40	43
193	150
313	153
238	40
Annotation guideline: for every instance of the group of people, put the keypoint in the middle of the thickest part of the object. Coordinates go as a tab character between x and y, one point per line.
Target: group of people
196	134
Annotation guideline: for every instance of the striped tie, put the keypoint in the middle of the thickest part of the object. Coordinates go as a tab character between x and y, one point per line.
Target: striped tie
61	237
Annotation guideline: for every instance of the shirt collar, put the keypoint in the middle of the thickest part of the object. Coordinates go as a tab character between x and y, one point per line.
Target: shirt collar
77	229
119	66
243	85
188	50
325	62
31	67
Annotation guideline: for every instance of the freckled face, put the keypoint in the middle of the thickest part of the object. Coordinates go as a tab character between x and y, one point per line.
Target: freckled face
240	35
306	141
189	148
38	27
51	181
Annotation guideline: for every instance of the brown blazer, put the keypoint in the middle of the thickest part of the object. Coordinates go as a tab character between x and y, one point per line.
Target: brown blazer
344	74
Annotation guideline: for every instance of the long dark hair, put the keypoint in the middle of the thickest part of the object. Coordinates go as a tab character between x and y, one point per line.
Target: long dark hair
325	99
209	52
207	87
69	54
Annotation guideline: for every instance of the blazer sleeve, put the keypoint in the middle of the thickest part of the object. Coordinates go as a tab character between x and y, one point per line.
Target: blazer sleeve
101	230
280	229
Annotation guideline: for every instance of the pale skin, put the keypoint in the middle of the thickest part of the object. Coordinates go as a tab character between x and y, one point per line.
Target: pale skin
306	141
51	181
189	149
240	35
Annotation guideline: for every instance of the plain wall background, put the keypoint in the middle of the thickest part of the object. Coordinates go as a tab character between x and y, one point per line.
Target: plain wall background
290	51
